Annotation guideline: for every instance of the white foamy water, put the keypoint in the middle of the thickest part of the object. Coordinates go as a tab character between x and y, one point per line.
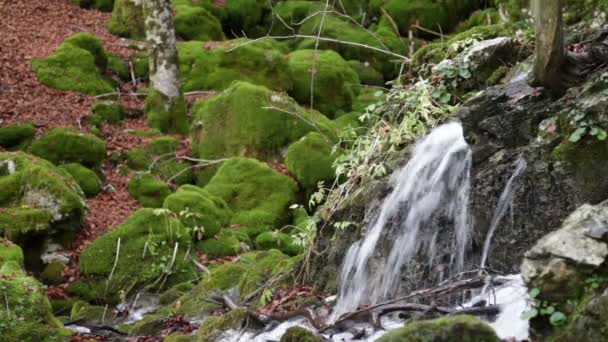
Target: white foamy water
437	177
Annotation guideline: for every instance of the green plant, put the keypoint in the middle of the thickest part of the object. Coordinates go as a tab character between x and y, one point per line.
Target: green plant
585	125
543	308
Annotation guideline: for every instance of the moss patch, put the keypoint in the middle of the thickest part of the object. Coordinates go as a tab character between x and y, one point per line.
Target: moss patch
127	20
310	160
16	135
10	252
66	145
196	23
161	151
107	111
277	240
223	244
87	179
148	190
169	120
459	328
299	334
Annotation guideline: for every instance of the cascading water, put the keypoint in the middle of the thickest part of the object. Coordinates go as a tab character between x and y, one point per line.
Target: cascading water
436	181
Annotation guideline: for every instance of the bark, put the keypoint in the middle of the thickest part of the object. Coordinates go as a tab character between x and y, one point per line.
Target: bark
549	44
162	48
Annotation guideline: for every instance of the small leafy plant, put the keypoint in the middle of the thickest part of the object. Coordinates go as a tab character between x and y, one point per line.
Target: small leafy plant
543	308
585	126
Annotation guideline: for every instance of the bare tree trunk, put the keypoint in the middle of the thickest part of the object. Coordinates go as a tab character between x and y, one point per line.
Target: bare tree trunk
165	106
549	44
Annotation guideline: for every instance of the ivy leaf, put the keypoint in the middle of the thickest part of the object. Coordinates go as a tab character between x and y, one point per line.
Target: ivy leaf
558	319
534	292
578	134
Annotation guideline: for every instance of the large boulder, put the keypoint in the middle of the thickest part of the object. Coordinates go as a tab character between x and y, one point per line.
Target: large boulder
67	145
197	23
147	249
335	82
310	160
460	328
78	64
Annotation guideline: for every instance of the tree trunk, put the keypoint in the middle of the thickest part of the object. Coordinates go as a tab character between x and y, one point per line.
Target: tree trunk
165	106
549	44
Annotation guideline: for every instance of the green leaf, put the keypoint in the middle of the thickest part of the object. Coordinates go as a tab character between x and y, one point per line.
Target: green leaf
578	134
594	130
464	73
534	292
445	98
549	310
558	319
529	314
602	135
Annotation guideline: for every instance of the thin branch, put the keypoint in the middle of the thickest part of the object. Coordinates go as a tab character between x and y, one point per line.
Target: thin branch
301	118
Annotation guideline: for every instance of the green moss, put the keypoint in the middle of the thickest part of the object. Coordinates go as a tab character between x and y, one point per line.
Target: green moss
311	160
78	65
277	240
434	16
174	293
91	314
127	20
10	252
66	145
52	273
245	16
162	145
196	23
148	241
497	75
482	33
102	5
87	179
367	74
258	195
179	337
141	66
26	314
119	67
213	327
223	244
16	135
148	190
480	18
430	54
299	334
107	111
238	123
201	209
460	328
171	120
17	223
293	12
216	68
138	159
148	325
335	82
161	151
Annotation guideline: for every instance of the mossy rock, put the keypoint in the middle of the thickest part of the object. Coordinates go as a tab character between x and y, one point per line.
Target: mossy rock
53	273
203	210
245	16
26	314
383	37
10	252
87	179
161	151
148	325
311	160
36	194
174	293
148	190
141	66
299	334
127	19
223	244
214	67
91	314
66	145
460	328
335	82
293	12
138	159
148	241
119	67
367	74
258	195
213	327
247	274
102	5
197	23
238	122
277	240
162	145
77	65
16	135
106	111
170	119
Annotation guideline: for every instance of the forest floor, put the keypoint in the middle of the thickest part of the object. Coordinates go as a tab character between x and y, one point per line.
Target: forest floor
34	29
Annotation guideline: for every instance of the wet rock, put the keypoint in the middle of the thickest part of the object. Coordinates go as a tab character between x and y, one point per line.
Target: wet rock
299	334
449	329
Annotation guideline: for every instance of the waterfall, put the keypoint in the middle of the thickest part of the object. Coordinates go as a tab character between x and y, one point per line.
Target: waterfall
435	182
504	203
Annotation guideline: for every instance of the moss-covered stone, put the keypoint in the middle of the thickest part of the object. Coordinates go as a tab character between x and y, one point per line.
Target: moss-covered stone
174	293
148	325
52	273
367	74
159	157
138	159
167	120
258	195
16	135
148	241
36	194
223	244
87	179
107	111
127	19
213	67
119	67
238	122
102	5
91	314
278	240
215	326
200	209
10	252
78	65
196	23
148	190
245	16
449	329
141	66
299	334
335	82
26	314
311	160
66	145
